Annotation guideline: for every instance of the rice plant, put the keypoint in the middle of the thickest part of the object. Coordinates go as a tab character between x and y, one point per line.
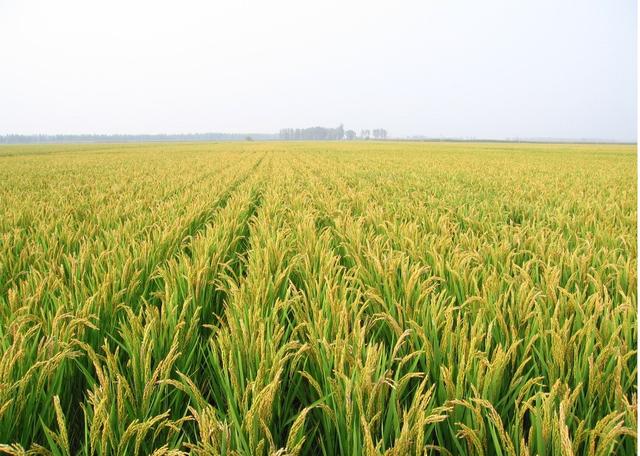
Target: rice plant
318	298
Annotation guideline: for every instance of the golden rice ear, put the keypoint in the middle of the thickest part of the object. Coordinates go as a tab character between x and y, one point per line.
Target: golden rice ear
296	437
13	450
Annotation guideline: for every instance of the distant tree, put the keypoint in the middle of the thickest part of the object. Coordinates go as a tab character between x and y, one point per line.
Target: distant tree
365	134
350	135
248	138
285	134
380	133
312	133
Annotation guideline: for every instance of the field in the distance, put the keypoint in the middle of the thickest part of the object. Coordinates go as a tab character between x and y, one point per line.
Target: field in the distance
318	298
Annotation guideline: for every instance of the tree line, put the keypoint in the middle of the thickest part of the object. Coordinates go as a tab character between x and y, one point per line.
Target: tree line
35	139
325	134
287	134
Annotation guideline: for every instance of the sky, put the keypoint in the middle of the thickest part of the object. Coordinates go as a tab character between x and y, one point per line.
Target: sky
449	68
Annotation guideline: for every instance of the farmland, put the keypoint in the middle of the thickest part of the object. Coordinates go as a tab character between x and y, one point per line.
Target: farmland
318	298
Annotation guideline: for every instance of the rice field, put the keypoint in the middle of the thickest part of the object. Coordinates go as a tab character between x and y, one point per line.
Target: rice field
335	298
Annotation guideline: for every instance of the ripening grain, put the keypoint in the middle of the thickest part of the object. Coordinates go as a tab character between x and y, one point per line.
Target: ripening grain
318	298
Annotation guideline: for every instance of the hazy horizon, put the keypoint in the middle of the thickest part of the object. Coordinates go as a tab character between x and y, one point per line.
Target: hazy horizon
496	70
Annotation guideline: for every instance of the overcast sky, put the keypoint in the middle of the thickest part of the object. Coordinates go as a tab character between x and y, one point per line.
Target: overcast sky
484	69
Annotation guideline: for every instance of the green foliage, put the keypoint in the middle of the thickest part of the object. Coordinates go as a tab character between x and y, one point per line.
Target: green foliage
314	298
